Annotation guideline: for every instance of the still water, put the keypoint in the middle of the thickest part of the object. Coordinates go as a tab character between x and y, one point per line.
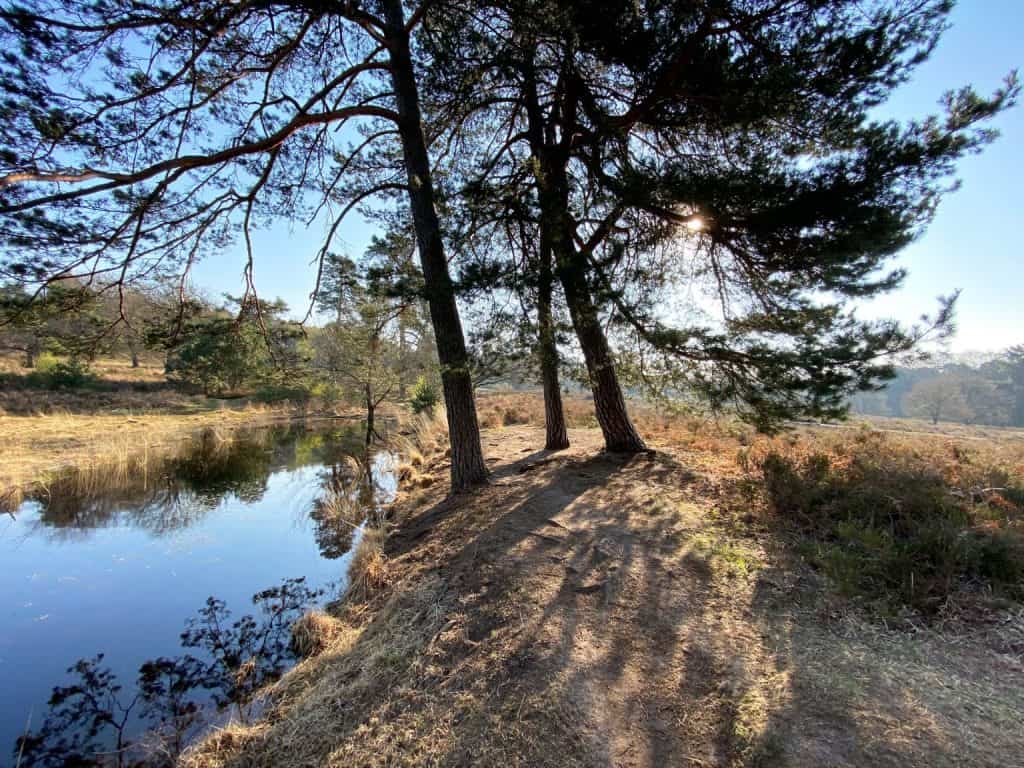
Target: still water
120	571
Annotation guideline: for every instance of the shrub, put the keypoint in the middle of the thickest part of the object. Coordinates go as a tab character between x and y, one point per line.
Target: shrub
885	523
219	355
280	393
423	396
45	362
52	373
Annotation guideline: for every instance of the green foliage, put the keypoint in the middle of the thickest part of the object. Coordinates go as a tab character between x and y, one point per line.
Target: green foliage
753	159
224	351
53	373
423	396
46	361
886	526
281	393
65	318
219	355
378	336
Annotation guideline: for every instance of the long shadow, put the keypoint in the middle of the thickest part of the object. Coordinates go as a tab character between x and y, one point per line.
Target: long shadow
576	624
610	618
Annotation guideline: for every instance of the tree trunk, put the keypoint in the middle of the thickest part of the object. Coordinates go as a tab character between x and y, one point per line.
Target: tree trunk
557	436
370	409
551	158
468	468
30	358
402	353
609	405
620	435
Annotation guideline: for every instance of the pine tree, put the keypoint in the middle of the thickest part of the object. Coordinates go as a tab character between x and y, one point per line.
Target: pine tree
722	150
137	138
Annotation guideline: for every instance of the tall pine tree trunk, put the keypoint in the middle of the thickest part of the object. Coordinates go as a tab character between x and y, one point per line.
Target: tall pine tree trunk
402	354
609	405
370	413
557	436
468	468
550	161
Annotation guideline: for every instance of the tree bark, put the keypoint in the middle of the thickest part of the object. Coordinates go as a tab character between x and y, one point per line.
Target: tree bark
551	158
468	468
370	409
620	435
402	353
556	434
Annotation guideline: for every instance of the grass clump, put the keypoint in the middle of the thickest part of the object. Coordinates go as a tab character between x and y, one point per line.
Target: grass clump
313	632
730	557
368	571
896	525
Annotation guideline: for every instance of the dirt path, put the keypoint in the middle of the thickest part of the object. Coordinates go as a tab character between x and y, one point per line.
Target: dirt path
594	610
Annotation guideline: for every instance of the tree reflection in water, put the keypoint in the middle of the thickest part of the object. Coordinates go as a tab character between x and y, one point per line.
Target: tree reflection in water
165	495
98	721
93	721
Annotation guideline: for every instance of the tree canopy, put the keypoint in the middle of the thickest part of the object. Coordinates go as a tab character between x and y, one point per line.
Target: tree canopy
706	185
714	175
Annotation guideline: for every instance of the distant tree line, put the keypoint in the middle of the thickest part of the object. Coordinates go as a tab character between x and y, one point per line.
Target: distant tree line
372	340
989	393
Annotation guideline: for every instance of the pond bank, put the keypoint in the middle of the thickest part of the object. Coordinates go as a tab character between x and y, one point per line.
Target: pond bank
178	582
592	609
36	448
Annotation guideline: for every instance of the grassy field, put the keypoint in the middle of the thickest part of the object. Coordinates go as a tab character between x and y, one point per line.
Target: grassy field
827	597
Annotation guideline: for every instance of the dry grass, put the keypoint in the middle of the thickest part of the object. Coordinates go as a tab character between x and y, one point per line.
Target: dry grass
594	610
313	633
368	570
318	709
115	387
103	449
107	432
421	437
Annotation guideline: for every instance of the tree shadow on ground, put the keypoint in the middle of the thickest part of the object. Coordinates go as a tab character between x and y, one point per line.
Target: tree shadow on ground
586	609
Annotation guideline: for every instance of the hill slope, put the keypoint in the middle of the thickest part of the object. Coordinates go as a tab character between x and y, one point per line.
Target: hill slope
595	610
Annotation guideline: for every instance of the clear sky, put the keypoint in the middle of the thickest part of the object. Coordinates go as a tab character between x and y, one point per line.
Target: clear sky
974	243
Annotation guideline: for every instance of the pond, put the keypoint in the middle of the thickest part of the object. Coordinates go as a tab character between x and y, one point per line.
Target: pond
180	545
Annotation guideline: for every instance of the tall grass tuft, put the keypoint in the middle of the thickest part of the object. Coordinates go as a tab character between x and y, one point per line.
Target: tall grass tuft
368	571
313	632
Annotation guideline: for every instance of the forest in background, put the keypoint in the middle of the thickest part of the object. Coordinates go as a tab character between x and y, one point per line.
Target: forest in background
957	388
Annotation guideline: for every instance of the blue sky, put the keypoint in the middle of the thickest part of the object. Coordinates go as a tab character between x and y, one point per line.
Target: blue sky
973	244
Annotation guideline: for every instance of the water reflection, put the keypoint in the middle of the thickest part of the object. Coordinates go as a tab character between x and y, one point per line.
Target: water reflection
95	721
168	494
118	563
